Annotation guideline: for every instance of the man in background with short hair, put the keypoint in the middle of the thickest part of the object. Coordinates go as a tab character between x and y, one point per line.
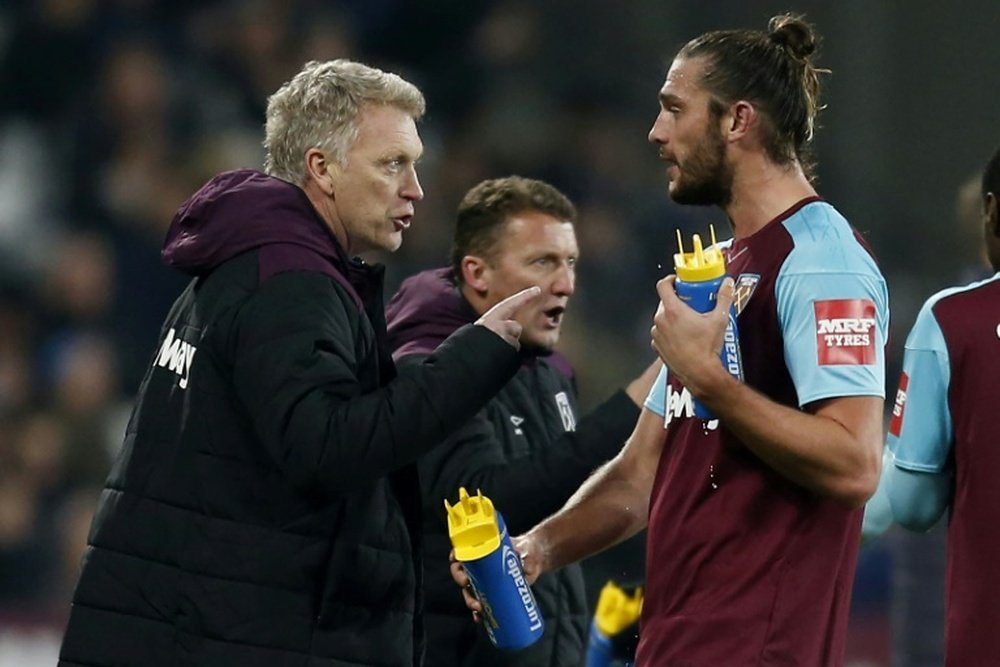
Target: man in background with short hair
529	448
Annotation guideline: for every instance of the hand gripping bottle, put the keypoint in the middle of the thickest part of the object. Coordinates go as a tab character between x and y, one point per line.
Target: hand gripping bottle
699	275
477	531
616	612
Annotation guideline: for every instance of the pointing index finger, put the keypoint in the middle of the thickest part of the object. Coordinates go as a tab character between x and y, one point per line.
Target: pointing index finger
511	304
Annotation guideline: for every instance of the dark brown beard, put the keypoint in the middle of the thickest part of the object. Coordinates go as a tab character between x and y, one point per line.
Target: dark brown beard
706	179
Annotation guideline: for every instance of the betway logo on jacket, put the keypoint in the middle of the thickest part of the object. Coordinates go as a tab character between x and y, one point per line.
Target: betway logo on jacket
845	332
176	356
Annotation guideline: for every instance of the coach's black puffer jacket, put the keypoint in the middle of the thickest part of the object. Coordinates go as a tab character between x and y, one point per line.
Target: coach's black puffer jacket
264	511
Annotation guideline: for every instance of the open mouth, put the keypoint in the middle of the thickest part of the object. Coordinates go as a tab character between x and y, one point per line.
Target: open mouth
554	315
402	222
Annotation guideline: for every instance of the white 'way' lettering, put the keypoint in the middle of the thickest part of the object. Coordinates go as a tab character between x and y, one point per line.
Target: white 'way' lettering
680	404
176	356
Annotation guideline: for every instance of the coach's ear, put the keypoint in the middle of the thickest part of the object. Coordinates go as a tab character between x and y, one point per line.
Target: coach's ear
322	170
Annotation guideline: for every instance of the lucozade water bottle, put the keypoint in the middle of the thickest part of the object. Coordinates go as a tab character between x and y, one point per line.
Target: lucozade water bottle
699	276
510	615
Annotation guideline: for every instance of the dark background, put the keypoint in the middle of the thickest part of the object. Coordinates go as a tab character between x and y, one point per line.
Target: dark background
113	112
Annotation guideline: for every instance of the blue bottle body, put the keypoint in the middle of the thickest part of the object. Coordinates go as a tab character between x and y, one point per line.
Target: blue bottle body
510	614
599	650
701	296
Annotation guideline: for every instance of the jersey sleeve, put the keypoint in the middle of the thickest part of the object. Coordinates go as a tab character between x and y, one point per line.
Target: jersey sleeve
920	433
834	325
656	401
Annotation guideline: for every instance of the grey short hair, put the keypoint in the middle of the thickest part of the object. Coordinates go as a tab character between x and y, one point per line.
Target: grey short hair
319	108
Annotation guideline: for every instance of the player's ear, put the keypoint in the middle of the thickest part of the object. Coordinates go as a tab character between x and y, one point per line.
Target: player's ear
740	120
991	217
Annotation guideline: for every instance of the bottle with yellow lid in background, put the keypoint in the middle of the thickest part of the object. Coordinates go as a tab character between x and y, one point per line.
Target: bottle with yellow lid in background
617	613
511	617
699	276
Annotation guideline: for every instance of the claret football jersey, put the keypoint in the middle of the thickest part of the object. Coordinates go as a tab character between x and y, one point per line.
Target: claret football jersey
943	421
745	567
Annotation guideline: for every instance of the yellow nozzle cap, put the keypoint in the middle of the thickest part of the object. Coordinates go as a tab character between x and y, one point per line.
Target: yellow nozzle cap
701	264
472	526
616	610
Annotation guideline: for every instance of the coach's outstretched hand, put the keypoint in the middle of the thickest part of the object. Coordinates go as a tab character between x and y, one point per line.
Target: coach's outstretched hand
500	318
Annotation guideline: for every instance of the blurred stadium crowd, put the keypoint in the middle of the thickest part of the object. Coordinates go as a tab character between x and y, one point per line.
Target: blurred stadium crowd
113	111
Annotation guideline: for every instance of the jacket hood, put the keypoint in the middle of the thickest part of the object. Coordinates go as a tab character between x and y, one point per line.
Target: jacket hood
241	210
427	309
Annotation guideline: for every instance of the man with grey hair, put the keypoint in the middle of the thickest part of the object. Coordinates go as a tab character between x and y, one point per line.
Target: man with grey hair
264	508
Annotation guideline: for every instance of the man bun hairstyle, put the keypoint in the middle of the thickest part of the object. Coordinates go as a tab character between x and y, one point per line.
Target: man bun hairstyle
793	33
775	72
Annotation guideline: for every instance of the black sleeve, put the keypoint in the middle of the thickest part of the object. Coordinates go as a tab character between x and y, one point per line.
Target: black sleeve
529	488
293	348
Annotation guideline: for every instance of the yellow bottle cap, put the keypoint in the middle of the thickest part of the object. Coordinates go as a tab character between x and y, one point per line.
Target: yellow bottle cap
616	610
472	526
701	264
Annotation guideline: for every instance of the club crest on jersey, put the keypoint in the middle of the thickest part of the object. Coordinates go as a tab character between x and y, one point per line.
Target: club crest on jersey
746	283
845	332
566	411
898	408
